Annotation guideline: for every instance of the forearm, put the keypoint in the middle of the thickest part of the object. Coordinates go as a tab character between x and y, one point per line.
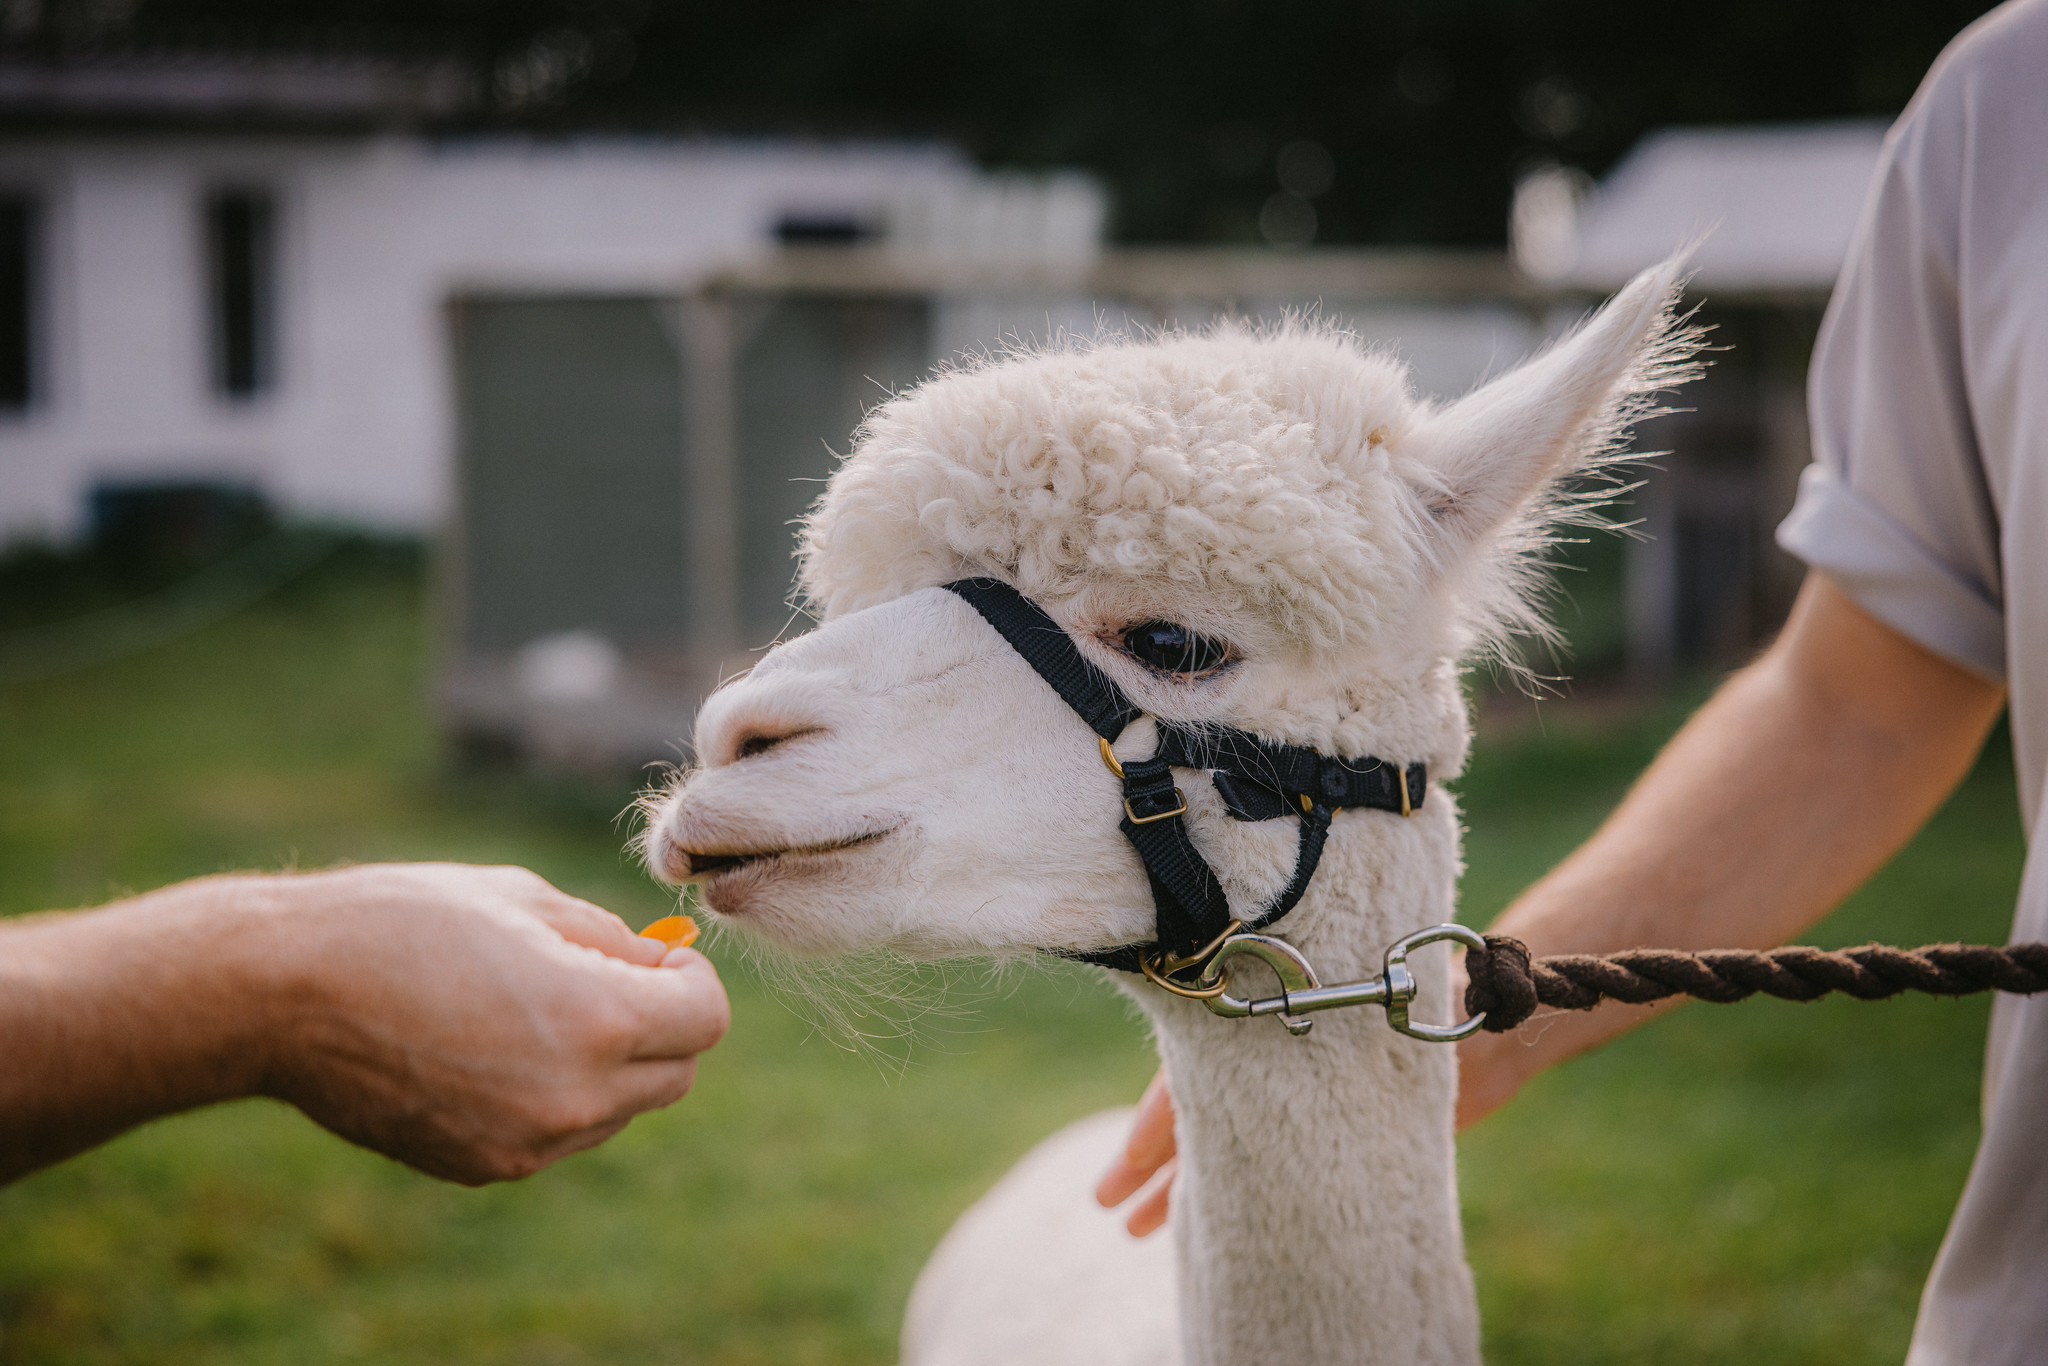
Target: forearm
1801	777
115	1016
475	1023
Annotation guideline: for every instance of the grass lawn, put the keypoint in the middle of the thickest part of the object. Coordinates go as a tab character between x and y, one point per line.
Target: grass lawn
1700	1192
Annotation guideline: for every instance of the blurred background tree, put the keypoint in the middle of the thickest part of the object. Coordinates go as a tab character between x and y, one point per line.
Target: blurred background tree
1403	122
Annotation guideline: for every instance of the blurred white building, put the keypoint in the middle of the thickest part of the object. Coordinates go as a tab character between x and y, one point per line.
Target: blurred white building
610	371
1768	209
265	309
1769	212
632	466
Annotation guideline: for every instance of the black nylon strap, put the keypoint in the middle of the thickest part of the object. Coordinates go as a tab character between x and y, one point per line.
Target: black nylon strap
1046	648
1288	769
1258	780
1250	801
1315	832
1188	901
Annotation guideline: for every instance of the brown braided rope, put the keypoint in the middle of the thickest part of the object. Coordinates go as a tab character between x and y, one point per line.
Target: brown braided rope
1509	987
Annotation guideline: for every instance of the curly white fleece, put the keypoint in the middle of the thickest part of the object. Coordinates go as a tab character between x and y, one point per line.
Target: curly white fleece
1286	471
1253	465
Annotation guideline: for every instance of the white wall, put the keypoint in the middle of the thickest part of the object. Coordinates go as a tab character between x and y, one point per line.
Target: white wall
374	234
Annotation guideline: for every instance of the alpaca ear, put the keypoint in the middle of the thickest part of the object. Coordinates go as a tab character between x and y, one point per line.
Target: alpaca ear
1478	463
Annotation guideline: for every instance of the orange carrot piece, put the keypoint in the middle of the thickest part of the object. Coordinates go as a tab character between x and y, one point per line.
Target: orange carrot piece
676	931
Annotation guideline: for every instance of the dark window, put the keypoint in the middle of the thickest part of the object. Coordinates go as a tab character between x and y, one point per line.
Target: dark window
241	248
17	301
822	230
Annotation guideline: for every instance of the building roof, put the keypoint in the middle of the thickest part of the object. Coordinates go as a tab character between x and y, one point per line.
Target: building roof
1772	208
187	86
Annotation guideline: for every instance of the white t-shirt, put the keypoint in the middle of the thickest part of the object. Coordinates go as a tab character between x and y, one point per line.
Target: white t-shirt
1927	502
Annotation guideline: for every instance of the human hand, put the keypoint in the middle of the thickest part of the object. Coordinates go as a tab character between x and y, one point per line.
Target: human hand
1149	1152
474	1023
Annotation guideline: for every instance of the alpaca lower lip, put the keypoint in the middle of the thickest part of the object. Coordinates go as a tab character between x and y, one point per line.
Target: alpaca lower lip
709	865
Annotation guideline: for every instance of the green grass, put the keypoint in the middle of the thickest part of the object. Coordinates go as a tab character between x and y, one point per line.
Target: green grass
1766	1181
1762	1182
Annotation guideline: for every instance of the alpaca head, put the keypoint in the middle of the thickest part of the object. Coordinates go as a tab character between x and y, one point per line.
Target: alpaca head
1258	528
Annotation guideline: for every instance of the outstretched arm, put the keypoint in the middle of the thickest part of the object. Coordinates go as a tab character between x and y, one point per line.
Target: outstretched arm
1801	776
472	1022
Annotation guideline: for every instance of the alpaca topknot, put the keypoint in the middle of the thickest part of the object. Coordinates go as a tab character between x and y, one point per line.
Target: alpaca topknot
1252	464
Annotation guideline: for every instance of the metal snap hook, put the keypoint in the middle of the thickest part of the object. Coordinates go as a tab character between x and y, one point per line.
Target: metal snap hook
1301	992
1293	970
1401	984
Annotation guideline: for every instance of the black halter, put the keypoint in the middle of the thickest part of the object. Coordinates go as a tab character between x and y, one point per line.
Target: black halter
1258	780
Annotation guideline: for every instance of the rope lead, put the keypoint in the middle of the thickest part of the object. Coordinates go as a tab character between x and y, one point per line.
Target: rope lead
1508	986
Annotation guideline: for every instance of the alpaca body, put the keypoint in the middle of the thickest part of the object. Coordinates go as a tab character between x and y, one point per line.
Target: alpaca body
901	779
1038	1239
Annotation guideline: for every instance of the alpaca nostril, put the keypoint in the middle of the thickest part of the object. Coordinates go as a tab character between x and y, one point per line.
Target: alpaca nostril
757	744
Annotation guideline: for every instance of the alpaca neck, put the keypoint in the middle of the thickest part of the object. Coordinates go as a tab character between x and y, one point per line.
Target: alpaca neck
1316	1204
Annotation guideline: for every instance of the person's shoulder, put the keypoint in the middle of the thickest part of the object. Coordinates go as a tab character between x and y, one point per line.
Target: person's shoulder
2002	56
1979	109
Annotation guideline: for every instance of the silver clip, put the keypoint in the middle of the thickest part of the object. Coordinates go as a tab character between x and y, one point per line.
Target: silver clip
1301	992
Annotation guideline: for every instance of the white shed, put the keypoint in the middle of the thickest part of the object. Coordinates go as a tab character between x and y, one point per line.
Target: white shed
631	465
266	309
1769	212
1771	208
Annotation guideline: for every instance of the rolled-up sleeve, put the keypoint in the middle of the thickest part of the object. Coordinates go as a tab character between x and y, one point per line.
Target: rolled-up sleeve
1896	508
1892	575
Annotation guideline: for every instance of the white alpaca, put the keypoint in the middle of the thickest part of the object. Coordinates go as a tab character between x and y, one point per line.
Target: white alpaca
901	778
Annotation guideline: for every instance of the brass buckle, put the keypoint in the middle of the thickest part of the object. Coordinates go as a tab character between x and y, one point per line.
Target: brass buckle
1160	979
1160	967
1170	964
1137	819
1401	782
1109	760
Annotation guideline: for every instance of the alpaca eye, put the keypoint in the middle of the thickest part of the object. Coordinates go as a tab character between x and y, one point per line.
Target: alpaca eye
1175	649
